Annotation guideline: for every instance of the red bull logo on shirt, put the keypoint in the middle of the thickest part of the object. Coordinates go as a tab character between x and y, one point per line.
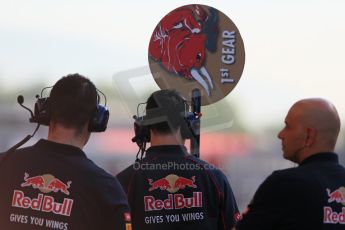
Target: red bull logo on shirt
46	183
330	216
162	184
35	181
172	183
176	201
337	195
42	203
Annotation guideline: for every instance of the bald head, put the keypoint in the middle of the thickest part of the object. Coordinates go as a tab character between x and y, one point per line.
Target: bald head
321	115
312	126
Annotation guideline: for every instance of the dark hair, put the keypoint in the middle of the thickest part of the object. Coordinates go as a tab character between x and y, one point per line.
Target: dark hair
171	105
73	101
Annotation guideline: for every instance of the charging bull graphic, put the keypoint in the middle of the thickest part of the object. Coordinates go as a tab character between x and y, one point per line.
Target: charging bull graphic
46	183
182	182
35	181
57	185
337	195
172	183
162	184
180	40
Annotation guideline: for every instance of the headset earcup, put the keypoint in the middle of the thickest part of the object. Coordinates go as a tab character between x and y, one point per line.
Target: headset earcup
42	111
46	112
99	120
142	132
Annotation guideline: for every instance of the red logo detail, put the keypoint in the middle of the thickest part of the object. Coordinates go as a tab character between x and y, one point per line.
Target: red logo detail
182	182
127	217
170	184
46	183
178	43
162	184
176	201
237	216
336	196
332	217
42	203
35	182
57	185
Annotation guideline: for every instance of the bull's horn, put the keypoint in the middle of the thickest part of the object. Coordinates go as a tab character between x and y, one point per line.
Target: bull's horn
196	30
196	75
204	72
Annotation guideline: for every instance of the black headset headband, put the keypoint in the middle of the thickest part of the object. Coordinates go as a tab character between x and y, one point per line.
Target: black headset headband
159	115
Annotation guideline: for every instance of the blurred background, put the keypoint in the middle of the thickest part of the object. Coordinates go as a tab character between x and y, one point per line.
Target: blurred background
294	49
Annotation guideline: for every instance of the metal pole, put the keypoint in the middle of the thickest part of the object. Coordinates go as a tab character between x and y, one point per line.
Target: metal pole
196	109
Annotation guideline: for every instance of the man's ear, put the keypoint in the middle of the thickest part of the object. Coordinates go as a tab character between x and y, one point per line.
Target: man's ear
311	137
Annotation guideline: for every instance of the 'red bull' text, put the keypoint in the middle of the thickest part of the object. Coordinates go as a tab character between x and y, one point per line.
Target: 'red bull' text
42	203
331	217
176	201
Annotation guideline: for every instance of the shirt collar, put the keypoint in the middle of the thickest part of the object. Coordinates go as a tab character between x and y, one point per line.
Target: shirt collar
55	147
321	157
163	150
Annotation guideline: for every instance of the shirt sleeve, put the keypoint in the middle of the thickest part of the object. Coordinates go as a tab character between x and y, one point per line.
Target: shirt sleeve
117	212
124	178
267	206
229	213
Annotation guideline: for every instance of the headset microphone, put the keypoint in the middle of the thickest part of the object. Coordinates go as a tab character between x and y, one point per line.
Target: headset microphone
20	100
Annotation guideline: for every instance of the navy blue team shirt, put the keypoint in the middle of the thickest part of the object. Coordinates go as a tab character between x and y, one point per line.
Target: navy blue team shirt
170	189
310	196
55	186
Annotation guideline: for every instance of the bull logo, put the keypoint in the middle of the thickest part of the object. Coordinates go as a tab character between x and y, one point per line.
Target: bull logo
182	182
172	183
179	42
46	183
57	185
337	195
162	184
35	181
197	47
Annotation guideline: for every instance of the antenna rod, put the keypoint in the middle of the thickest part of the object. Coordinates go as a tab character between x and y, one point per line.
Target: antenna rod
196	109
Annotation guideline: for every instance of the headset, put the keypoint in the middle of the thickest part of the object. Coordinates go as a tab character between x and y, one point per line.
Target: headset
189	123
41	115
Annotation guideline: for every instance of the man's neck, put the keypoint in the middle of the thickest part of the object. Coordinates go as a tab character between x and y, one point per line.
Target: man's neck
314	151
66	136
167	139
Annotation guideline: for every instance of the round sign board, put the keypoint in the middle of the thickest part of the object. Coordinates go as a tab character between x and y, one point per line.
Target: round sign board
197	46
